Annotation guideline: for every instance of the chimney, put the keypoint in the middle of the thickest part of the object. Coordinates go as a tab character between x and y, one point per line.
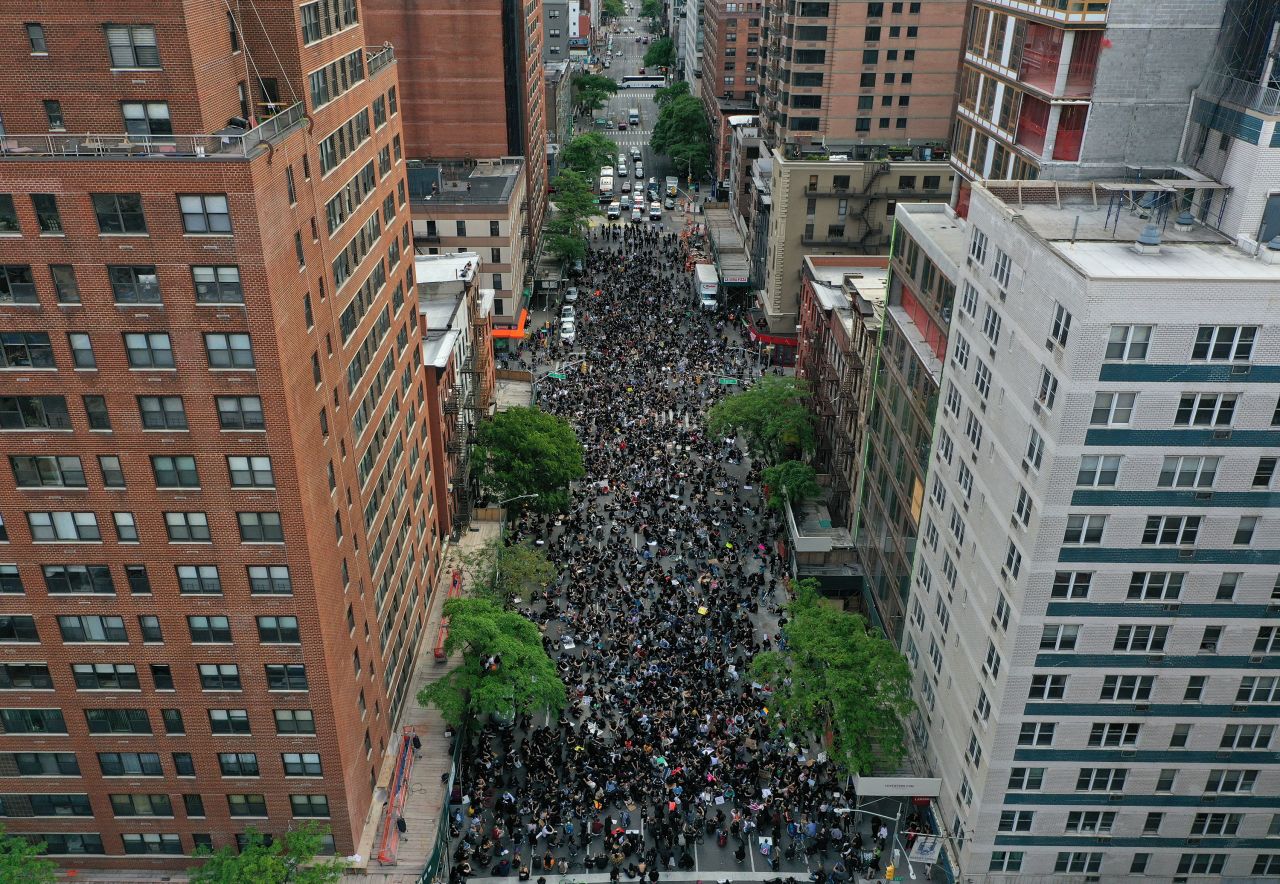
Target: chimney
1148	242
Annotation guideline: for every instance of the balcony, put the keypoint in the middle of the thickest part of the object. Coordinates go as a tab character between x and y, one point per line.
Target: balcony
231	143
378	57
1243	93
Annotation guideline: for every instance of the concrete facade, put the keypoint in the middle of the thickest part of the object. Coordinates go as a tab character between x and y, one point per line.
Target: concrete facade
854	76
833	206
210	368
558	26
477	208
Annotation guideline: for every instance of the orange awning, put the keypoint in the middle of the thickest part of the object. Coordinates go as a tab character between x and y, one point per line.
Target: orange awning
517	332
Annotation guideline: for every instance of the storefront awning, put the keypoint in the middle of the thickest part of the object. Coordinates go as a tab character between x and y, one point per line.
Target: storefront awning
517	331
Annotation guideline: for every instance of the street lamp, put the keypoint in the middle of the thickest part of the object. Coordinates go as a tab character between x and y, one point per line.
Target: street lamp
502	524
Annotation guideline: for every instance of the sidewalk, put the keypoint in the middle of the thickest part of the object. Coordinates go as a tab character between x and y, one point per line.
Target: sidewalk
426	798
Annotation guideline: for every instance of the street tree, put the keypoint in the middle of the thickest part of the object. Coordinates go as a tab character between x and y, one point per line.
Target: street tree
575	203
22	862
667	94
288	859
593	90
505	669
502	571
838	677
772	414
792	480
651	9
587	153
683	133
661	53
529	451
613	9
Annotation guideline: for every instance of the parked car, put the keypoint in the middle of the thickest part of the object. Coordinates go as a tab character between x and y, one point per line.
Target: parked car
566	313
568	332
622	125
635	153
614	211
571	295
622	160
655	211
626	185
639	171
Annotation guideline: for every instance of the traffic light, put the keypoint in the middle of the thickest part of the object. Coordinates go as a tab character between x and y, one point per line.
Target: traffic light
888	872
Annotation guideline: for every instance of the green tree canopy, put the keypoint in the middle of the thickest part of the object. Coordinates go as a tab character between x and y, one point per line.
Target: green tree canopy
791	480
667	94
575	204
288	859
529	451
661	53
520	568
587	153
504	670
651	9
613	9
773	416
593	90
683	133
21	862
838	676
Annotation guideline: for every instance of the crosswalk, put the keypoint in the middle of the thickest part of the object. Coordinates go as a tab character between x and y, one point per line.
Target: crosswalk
632	138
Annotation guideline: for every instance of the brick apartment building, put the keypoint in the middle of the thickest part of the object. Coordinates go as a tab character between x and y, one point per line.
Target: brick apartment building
473	82
210	410
730	61
851	77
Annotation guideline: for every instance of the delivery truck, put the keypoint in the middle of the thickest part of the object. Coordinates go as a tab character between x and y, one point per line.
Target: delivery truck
706	286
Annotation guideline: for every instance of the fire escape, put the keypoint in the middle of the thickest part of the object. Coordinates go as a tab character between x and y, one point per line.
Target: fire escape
470	397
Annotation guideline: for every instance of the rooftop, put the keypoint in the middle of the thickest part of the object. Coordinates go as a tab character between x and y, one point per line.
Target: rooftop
458	267
1093	226
463	182
812	530
935	225
846	285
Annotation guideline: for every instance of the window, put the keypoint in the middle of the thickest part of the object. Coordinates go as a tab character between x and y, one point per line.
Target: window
132	46
969	299
1244	530
1036	733
148	350
1258	689
1047	393
219	677
53	112
1089	821
11	581
129	764
17	286
1071	584
175	471
1155	586
229	721
1061	325
1268	640
247	805
78	580
162	413
35	37
302	764
240	413
134	284
1188	472
270	580
1263	474
1113	733
1135	688
47	471
978	247
1247	736
1101	779
119	212
287	677
141	805
33	721
25	676
1231	781
991	325
46	209
1128	343
973	430
250	472
198	580
1228	582
295	722
48	527
1143	638
1205	410
1082	530
187	527
117	721
309	805
147	119
260	528
228	350
1059	636
205	213
1001	269
278	630
960	355
1215	824
238	764
26	350
1224	343
209	629
1195	688
1015	820
81	350
1098	471
149	626
20	629
217	284
1048	687
982	379
991	666
1171	530
1026	779
1112	409
64	283
1267	864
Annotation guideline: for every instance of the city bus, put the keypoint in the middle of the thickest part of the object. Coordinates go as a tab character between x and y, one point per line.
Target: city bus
641	81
